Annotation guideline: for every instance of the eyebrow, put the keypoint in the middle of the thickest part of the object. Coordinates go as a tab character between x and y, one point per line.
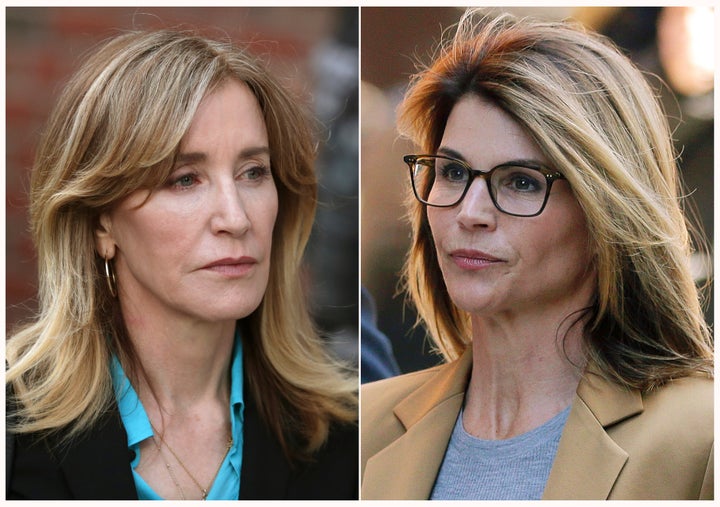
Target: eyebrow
524	162
198	156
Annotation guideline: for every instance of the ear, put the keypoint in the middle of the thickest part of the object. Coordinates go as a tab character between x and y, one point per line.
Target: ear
104	241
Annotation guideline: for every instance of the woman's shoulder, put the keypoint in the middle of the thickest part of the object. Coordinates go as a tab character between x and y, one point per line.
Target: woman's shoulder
675	419
431	386
378	400
678	409
669	443
686	402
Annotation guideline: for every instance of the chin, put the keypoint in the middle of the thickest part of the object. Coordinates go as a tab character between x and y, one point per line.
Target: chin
228	311
471	302
244	311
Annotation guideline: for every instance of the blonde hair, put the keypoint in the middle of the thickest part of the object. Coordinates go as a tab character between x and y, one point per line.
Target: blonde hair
598	121
115	129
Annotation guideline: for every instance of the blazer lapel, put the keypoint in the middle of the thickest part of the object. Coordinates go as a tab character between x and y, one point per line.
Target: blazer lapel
428	415
265	473
97	466
586	466
588	461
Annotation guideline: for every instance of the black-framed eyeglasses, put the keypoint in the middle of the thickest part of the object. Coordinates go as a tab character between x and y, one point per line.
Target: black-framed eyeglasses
520	190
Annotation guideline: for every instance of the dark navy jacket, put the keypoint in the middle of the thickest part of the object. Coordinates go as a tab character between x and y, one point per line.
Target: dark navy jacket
96	466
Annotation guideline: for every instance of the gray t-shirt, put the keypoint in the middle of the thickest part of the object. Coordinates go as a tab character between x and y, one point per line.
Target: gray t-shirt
513	469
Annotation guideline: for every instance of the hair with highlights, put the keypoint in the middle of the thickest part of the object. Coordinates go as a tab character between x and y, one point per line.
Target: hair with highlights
598	121
116	128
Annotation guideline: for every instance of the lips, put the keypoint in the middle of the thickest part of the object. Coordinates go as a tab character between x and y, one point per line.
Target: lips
231	261
473	259
232	266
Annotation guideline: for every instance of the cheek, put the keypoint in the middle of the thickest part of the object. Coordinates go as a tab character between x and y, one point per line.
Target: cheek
262	209
574	233
154	229
154	241
270	207
436	221
564	228
564	251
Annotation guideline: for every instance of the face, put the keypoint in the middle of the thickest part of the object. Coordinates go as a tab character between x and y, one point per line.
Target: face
199	246
498	264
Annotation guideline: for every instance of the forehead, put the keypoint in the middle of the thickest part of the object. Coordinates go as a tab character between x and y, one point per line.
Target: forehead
485	134
230	112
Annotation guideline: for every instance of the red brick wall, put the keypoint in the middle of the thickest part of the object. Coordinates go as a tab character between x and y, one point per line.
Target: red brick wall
44	46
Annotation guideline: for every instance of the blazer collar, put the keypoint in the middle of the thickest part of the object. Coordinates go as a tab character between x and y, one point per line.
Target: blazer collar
450	382
428	415
586	466
97	465
265	472
588	461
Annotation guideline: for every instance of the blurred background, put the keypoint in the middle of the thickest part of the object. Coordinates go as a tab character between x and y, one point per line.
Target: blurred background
313	51
675	43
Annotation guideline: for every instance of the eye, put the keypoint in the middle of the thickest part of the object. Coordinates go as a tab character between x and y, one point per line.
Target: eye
184	181
255	173
523	183
452	172
520	179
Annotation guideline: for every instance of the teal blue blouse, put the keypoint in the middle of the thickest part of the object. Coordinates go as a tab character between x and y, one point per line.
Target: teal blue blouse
138	428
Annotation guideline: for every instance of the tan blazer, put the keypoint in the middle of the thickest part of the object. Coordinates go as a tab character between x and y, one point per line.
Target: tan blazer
617	443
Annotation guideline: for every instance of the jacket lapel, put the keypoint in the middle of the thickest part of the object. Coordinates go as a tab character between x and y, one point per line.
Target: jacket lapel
97	466
588	461
428	415
265	473
586	466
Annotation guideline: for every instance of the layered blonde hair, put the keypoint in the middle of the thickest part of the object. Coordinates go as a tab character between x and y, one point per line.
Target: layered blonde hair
116	129
598	121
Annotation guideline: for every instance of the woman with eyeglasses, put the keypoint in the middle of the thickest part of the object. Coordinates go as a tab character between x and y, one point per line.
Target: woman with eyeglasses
550	263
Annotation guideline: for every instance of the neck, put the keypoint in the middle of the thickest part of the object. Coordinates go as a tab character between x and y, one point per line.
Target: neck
525	371
184	365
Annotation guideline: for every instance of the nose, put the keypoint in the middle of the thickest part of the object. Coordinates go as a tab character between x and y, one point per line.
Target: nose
229	215
477	210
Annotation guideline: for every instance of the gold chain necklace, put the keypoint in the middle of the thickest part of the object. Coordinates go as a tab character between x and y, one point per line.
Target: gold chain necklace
204	491
169	469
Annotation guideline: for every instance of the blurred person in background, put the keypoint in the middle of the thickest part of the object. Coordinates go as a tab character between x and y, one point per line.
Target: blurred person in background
550	262
377	358
333	245
173	357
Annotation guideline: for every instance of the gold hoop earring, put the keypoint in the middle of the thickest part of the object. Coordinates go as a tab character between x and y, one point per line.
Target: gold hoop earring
110	277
